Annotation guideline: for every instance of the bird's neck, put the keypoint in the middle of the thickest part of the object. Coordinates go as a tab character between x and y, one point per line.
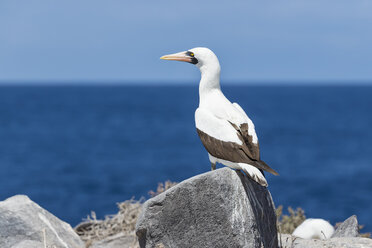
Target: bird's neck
210	80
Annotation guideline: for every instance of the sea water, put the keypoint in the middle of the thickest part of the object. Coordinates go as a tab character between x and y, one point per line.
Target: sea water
77	149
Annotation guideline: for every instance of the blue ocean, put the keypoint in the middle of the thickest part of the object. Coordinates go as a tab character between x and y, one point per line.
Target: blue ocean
77	149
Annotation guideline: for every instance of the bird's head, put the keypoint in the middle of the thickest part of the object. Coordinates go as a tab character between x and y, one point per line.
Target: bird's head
199	56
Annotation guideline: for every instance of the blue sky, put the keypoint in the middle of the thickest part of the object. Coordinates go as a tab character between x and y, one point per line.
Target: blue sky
112	40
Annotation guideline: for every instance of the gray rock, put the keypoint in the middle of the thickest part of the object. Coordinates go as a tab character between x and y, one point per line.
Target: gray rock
117	241
221	208
289	241
348	228
24	224
28	244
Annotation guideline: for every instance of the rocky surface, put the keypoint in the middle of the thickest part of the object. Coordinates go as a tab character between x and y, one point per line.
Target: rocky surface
117	241
348	228
289	241
222	208
24	224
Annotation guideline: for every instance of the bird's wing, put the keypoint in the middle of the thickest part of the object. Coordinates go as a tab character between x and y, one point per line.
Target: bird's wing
247	133
223	140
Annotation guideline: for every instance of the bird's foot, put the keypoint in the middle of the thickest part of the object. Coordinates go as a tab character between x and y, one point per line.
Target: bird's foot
213	166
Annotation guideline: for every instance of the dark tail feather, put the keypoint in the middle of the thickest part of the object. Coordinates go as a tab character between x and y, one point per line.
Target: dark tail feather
262	165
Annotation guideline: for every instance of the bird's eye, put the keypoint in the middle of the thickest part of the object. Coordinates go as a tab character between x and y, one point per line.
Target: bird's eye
192	54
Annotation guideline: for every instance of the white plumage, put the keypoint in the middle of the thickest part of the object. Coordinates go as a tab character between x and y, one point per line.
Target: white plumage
314	229
214	126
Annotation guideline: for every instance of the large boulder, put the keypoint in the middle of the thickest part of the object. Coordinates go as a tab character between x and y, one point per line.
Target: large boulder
221	208
24	224
289	241
348	228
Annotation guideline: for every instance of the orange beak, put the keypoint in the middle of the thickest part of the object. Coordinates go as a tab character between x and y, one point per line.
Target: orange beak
182	56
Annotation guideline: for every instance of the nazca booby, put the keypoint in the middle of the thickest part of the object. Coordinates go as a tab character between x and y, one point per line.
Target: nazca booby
224	128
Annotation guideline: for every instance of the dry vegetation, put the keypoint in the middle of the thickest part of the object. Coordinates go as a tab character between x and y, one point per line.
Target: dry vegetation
124	221
92	229
288	223
162	187
364	235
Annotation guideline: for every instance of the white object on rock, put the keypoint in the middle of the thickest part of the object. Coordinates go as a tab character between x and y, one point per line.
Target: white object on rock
314	229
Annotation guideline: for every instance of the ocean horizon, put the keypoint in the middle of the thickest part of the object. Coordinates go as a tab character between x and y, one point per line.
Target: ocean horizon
74	149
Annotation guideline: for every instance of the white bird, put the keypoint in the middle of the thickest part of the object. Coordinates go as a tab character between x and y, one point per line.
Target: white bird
224	128
314	229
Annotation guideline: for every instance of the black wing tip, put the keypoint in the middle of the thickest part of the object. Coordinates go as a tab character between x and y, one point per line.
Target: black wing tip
275	173
268	168
272	171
